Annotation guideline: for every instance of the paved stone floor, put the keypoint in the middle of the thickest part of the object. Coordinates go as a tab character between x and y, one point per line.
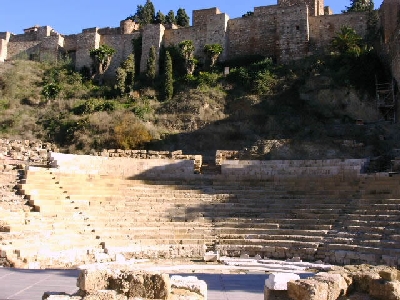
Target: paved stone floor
22	284
18	284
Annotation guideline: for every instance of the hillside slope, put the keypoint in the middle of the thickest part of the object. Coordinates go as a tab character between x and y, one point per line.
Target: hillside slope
309	110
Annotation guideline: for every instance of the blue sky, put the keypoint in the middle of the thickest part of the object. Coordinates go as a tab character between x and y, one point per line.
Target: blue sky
68	17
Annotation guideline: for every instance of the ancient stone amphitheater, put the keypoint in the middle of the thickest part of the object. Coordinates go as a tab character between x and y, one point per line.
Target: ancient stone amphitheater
60	210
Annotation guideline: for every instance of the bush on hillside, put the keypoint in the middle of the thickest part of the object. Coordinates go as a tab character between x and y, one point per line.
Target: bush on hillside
130	133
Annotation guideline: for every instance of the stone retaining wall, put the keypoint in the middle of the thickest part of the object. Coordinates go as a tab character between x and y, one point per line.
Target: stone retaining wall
26	151
174	164
152	164
184	166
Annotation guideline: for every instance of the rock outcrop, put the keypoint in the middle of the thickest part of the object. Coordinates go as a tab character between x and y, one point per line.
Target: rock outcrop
350	282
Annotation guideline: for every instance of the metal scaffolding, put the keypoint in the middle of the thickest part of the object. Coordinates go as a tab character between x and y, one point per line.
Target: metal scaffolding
386	100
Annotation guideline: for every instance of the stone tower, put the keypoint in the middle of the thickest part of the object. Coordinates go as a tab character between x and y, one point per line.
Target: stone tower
315	7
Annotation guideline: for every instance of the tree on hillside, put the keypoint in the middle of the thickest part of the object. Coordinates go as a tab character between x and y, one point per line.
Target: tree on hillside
168	77
360	5
101	58
151	64
145	14
347	41
126	75
170	17
187	52
160	18
213	51
137	51
182	19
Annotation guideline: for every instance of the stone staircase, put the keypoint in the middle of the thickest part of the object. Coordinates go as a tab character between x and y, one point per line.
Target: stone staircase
369	229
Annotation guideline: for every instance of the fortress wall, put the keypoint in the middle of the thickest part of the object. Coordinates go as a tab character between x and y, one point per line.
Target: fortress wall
390	11
324	28
128	26
3	49
109	31
26	37
197	34
51	47
152	36
253	35
23	49
5	36
390	23
315	7
393	47
211	31
292	32
70	42
123	46
200	17
44	31
216	33
87	40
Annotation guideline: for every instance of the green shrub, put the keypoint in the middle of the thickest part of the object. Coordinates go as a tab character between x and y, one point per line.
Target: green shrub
264	82
51	91
94	105
207	78
168	78
142	108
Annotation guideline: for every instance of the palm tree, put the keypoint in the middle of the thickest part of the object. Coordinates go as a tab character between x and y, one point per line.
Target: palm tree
347	41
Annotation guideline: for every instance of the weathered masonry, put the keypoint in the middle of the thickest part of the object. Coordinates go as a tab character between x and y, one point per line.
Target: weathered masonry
290	30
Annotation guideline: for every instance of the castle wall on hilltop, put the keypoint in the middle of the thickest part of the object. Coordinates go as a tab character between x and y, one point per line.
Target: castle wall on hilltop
152	36
290	30
316	8
254	34
122	42
324	28
293	33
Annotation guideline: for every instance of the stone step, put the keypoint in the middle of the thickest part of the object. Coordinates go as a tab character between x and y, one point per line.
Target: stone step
271	242
262	237
254	231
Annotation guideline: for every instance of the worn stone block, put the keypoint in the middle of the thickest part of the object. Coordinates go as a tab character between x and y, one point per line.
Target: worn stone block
190	283
279	281
384	290
308	289
388	274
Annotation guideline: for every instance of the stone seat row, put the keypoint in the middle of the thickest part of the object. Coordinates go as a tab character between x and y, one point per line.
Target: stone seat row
251	207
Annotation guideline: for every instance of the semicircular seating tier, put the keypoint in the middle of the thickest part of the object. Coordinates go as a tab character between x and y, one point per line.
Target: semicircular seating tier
85	209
